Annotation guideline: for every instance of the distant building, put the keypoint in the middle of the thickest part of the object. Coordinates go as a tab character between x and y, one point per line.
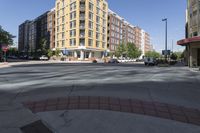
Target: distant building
121	31
192	41
31	33
51	27
147	43
23	37
138	36
115	30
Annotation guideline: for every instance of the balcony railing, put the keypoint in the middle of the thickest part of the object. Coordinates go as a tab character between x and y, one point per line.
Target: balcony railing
82	26
82	8
82	35
82	44
82	17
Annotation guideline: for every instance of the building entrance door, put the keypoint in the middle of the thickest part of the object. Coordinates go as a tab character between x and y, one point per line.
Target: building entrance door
198	57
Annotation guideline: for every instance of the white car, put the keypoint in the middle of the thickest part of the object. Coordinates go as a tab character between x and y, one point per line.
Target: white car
44	57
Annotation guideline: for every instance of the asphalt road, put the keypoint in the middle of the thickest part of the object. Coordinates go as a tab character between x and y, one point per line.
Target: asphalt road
28	82
175	85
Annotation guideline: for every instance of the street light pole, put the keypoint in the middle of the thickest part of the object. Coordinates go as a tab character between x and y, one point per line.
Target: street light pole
165	37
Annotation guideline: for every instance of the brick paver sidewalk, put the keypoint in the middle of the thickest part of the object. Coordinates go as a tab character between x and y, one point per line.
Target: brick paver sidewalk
155	109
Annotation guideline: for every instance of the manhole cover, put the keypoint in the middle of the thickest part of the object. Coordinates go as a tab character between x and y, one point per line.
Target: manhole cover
36	127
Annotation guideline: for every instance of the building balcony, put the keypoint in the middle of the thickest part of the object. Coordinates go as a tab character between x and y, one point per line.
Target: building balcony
82	1
82	36
82	17
82	27
82	8
82	44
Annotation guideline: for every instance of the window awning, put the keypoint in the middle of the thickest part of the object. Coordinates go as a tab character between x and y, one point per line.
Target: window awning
187	41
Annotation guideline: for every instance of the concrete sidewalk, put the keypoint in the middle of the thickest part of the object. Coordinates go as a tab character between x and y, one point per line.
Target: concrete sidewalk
6	64
87	121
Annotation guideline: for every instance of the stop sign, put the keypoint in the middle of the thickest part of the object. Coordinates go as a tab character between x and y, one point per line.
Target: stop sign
5	49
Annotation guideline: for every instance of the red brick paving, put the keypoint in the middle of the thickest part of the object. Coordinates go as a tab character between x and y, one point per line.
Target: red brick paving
155	109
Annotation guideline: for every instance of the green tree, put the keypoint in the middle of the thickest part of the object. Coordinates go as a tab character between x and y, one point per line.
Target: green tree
121	49
153	54
5	37
174	56
132	51
43	46
50	53
13	51
57	52
180	55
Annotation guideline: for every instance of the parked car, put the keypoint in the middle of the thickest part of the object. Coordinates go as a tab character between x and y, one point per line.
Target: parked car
44	57
94	61
150	61
114	61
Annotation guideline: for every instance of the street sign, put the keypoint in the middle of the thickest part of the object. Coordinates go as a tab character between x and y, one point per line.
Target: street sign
166	52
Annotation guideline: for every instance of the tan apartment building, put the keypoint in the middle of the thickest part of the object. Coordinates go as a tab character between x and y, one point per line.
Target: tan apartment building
51	27
192	41
81	27
147	43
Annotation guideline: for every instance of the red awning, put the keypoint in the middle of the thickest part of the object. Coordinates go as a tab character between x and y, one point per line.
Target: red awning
188	41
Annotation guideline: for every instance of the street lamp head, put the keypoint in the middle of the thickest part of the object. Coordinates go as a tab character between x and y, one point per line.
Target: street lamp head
165	19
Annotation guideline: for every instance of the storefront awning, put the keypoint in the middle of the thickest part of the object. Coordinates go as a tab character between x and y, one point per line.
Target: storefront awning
187	41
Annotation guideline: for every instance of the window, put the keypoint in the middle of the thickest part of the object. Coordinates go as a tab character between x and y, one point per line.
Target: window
72	15
63	27
98	3
104	6
97	44
72	33
90	25
63	35
90	6
73	6
97	36
57	28
90	16
98	11
90	42
72	24
98	28
63	19
90	33
98	19
104	30
104	45
63	43
104	38
72	42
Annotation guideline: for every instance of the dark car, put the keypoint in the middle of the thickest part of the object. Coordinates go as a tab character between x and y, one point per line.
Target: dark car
114	61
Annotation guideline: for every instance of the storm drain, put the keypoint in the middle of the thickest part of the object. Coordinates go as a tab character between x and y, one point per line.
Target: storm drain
36	127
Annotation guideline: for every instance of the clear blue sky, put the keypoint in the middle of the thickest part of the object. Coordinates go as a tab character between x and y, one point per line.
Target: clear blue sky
145	13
